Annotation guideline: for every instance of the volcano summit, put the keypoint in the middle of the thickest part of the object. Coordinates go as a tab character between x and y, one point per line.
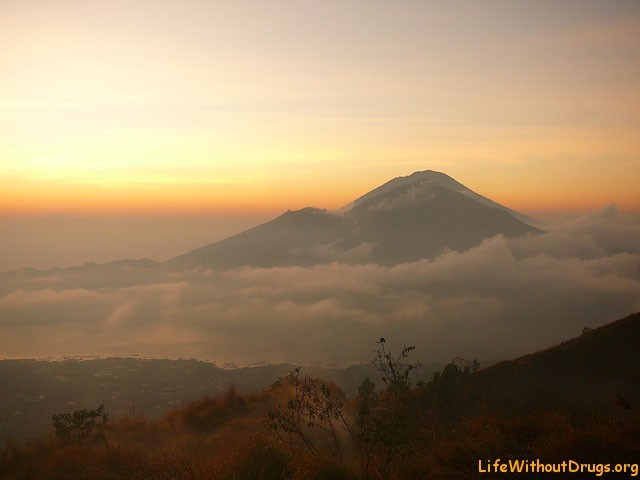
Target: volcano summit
403	220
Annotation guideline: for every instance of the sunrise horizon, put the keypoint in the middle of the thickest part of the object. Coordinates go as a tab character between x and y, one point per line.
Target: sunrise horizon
206	108
553	197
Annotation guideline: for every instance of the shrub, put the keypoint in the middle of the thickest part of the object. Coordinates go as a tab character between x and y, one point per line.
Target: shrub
81	425
211	412
380	429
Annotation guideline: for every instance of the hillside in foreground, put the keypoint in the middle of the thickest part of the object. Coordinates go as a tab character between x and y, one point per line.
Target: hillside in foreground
575	402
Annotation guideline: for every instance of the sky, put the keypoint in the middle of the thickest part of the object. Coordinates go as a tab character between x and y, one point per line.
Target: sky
199	112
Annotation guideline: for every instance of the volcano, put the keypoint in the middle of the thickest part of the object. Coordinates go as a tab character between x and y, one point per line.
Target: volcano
408	218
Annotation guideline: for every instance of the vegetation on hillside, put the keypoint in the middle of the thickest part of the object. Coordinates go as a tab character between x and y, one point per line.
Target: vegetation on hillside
305	428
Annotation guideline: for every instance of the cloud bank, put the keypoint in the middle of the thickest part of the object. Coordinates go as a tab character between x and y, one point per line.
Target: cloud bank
502	298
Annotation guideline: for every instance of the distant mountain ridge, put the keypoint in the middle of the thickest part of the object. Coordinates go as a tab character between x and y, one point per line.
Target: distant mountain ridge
403	220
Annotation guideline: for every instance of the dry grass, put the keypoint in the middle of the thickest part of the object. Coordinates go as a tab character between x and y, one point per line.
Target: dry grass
224	438
546	435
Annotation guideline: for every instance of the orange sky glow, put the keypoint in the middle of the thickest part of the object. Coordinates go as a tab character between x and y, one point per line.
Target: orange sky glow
202	107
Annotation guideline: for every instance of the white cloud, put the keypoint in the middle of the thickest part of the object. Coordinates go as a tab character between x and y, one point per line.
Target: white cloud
502	298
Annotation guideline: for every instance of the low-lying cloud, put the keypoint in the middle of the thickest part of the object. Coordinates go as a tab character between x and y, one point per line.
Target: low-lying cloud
502	298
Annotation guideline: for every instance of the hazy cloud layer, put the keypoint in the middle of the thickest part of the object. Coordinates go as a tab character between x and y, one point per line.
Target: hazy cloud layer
499	299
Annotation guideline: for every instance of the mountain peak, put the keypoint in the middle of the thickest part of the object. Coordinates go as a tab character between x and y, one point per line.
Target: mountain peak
439	178
406	219
428	174
442	180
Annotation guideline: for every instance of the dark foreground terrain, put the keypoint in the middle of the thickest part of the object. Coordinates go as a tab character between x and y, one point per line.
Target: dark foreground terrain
34	390
574	406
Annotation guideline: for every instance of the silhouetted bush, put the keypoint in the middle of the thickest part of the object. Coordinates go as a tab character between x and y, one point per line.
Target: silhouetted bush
211	412
81	425
375	429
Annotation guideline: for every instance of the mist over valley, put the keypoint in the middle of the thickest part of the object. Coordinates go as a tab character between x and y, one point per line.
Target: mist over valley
421	259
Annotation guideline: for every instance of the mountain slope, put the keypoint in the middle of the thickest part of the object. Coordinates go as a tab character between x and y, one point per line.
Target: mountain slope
596	371
422	219
286	240
404	220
